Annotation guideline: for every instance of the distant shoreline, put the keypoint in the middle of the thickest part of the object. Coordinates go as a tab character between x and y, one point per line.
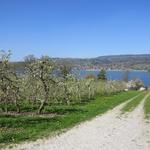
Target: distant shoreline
116	70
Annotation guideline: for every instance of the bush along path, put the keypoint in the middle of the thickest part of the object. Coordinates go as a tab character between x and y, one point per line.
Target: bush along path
110	131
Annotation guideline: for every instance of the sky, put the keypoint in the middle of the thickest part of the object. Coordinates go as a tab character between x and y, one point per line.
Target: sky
74	28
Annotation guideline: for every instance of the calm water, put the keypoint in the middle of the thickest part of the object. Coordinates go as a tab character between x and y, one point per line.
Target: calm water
118	75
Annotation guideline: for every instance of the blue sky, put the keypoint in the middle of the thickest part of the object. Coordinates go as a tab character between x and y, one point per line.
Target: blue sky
74	28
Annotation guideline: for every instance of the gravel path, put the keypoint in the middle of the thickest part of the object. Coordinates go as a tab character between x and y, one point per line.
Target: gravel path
111	131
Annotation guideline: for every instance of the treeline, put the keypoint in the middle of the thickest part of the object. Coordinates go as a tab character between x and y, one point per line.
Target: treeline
45	83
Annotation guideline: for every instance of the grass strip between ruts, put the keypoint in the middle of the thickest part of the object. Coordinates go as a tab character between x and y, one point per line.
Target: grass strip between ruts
131	105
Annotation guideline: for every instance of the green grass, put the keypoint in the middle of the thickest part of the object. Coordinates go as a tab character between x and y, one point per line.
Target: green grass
147	108
131	105
14	129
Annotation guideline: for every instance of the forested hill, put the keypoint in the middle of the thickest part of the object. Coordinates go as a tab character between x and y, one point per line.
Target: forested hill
137	62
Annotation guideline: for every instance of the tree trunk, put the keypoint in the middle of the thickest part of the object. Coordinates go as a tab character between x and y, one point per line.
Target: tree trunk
6	106
67	101
41	107
89	95
43	102
17	106
46	89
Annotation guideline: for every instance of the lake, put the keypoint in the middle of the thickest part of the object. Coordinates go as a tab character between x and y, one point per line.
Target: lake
112	75
118	75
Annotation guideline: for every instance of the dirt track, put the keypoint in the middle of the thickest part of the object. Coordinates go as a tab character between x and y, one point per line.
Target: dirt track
111	131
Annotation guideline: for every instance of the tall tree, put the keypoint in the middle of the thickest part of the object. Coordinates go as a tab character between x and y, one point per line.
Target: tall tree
65	70
42	71
102	75
9	82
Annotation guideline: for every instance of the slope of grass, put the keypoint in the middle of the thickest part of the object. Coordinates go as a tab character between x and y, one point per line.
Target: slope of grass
147	108
14	129
131	105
